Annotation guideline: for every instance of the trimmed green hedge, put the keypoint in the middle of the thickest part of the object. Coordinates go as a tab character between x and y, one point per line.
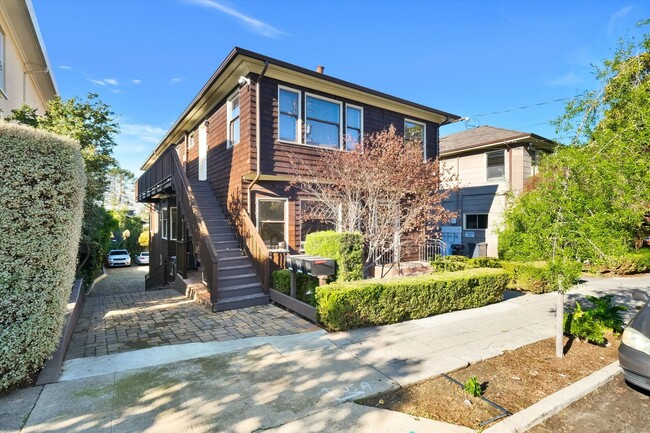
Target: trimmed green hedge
631	263
346	248
355	304
41	207
460	263
304	284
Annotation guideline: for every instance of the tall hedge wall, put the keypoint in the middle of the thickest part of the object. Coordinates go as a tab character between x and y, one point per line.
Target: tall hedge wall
41	207
355	304
346	248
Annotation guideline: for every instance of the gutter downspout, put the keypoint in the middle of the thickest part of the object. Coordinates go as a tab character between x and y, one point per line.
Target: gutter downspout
257	137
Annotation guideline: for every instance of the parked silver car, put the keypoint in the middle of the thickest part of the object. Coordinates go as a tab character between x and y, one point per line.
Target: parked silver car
634	351
118	258
142	258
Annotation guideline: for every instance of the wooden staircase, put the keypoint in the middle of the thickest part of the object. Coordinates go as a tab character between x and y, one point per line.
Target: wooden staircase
237	282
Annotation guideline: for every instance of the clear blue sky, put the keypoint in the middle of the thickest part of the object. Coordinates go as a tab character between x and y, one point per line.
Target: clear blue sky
149	58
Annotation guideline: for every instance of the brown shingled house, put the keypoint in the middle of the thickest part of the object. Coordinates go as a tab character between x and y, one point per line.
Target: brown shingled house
231	149
488	162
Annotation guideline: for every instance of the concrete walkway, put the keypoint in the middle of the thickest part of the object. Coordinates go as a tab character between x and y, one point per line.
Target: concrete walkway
299	383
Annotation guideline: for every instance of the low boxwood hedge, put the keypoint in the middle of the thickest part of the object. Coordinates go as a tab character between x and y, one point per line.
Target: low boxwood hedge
41	207
628	264
355	304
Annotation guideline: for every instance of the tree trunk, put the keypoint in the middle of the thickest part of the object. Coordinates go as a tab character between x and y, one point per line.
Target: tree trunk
559	318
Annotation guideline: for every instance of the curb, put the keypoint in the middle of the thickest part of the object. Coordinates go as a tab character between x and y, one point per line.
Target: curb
554	403
97	280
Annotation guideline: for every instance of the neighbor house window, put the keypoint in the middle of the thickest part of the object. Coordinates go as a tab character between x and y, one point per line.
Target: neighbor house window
353	126
2	61
272	222
322	122
496	167
164	223
172	223
233	120
315	217
417	132
476	221
289	113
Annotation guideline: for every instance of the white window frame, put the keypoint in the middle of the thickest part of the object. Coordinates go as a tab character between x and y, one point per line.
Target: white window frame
286	215
424	134
354	107
164	223
298	119
230	119
487	216
190	140
203	152
341	124
3	64
487	157
172	223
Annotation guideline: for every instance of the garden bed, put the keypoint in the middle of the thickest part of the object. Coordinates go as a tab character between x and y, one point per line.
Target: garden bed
514	381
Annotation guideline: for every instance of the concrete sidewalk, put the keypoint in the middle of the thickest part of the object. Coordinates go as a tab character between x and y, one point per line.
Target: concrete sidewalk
300	383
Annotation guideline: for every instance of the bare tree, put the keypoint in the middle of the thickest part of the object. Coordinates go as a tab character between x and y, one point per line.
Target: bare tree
383	189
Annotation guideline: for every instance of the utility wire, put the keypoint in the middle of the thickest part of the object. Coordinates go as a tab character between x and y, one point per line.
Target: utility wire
527	106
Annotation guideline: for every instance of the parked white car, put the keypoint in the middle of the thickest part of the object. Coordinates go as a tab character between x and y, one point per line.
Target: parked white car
118	258
142	258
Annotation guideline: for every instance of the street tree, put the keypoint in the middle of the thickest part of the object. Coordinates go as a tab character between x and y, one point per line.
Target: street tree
589	199
383	189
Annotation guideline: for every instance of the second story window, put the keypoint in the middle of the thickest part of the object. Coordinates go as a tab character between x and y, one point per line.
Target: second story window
496	167
416	131
322	122
353	126
233	120
289	113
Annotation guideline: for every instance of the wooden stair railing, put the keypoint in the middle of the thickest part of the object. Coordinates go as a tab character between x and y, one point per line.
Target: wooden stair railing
200	235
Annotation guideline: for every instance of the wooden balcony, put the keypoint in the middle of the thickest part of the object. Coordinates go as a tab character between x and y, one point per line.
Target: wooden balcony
156	182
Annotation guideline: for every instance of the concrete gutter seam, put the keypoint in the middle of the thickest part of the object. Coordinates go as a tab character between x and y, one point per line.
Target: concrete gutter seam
554	403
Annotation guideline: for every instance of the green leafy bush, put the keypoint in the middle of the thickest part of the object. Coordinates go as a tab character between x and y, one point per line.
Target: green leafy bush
537	277
346	248
305	285
627	264
484	262
591	324
41	206
346	305
459	263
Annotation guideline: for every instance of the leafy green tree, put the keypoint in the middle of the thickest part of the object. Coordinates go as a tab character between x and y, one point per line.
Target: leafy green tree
589	198
92	123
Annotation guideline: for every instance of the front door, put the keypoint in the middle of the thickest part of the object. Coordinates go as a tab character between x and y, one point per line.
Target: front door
203	153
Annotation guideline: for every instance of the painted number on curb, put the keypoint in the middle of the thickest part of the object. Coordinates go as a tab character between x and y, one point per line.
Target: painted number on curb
349	392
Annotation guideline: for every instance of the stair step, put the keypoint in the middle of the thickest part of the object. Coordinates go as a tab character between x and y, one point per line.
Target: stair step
241	302
235	270
229	260
225	244
240	290
236	280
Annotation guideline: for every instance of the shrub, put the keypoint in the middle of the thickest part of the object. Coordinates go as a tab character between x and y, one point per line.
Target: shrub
459	263
41	206
377	302
534	277
346	248
304	285
484	262
591	324
631	263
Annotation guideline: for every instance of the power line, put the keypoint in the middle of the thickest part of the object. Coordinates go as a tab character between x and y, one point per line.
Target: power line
526	106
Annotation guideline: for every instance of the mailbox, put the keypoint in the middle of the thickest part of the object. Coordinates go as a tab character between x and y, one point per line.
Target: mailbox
311	265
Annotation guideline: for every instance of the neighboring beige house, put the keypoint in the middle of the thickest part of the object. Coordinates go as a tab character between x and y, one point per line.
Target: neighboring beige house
488	162
25	73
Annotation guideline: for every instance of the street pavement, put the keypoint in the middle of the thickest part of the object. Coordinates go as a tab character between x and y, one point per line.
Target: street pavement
298	383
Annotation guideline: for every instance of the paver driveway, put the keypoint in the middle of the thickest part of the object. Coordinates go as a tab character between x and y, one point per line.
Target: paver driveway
120	316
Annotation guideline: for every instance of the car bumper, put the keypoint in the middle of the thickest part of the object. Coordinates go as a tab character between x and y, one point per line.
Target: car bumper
635	365
119	263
